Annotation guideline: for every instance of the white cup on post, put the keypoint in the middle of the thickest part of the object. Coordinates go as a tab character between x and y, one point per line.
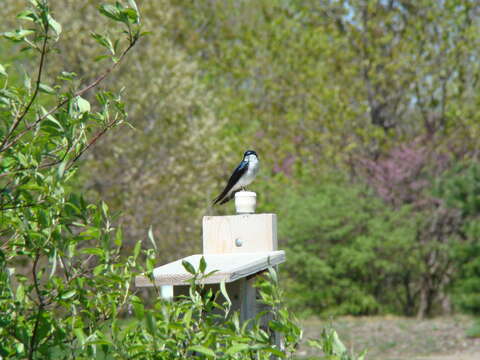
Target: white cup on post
245	202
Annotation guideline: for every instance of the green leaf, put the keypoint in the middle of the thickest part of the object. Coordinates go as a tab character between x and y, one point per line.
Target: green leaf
224	292
46	89
105	209
20	294
51	118
118	237
136	249
273	274
101	57
17	35
276	352
68	294
93	251
110	11
27	82
83	105
80	335
338	347
189	267
151	238
7	94
43	218
2	70
202	350
61	169
68	76
203	265
133	5
151	324
104	41
362	355
44	326
55	25
53	261
187	318
132	15
139	310
236	348
27	15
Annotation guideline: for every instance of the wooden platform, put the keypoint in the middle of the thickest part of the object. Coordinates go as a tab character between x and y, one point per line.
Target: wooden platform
230	267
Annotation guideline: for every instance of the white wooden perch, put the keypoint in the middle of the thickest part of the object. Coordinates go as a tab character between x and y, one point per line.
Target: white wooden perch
239	247
230	267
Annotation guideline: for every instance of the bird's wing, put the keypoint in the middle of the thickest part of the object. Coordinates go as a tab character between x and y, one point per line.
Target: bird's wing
228	197
237	174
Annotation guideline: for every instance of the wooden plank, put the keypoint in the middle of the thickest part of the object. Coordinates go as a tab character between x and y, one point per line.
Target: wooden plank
230	268
246	233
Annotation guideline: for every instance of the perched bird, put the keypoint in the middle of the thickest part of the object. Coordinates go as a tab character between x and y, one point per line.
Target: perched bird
242	176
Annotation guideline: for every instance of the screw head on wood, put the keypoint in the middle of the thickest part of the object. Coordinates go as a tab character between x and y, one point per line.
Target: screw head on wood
238	242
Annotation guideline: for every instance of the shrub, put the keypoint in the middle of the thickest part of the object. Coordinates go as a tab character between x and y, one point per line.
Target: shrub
348	253
460	189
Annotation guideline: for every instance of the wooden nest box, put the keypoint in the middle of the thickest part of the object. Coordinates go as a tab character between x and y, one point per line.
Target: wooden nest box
239	247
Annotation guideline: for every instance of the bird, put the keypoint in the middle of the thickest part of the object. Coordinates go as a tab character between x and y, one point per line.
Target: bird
242	176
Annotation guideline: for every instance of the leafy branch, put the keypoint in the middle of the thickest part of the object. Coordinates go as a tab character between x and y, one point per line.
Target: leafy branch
79	93
20	117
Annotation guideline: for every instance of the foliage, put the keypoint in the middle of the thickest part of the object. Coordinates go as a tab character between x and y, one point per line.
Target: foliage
321	81
60	279
64	286
404	176
348	253
333	348
401	249
200	326
461	190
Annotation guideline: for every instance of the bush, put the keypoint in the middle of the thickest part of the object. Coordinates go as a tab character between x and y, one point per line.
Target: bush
61	278
348	253
460	188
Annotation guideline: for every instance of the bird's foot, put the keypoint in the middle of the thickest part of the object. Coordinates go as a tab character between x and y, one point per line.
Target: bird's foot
244	188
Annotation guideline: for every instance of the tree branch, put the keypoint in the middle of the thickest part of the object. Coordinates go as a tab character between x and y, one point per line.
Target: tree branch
19	118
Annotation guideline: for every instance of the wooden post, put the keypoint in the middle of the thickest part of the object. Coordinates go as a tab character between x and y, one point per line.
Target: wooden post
246	233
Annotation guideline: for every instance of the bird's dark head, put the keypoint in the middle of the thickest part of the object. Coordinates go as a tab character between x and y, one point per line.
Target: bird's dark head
248	153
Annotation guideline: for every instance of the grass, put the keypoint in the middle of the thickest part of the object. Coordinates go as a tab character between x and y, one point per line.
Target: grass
474	330
396	338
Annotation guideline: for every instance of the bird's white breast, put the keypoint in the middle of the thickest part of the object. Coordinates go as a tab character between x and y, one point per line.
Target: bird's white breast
253	167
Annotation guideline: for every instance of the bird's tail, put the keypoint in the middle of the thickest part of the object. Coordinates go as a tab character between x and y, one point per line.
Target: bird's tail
223	198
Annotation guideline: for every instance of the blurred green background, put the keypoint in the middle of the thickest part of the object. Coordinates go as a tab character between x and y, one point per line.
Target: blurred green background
365	116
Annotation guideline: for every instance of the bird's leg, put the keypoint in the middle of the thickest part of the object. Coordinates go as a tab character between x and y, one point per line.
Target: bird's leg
243	188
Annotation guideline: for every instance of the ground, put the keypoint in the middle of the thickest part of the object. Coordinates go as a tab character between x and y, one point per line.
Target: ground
394	338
